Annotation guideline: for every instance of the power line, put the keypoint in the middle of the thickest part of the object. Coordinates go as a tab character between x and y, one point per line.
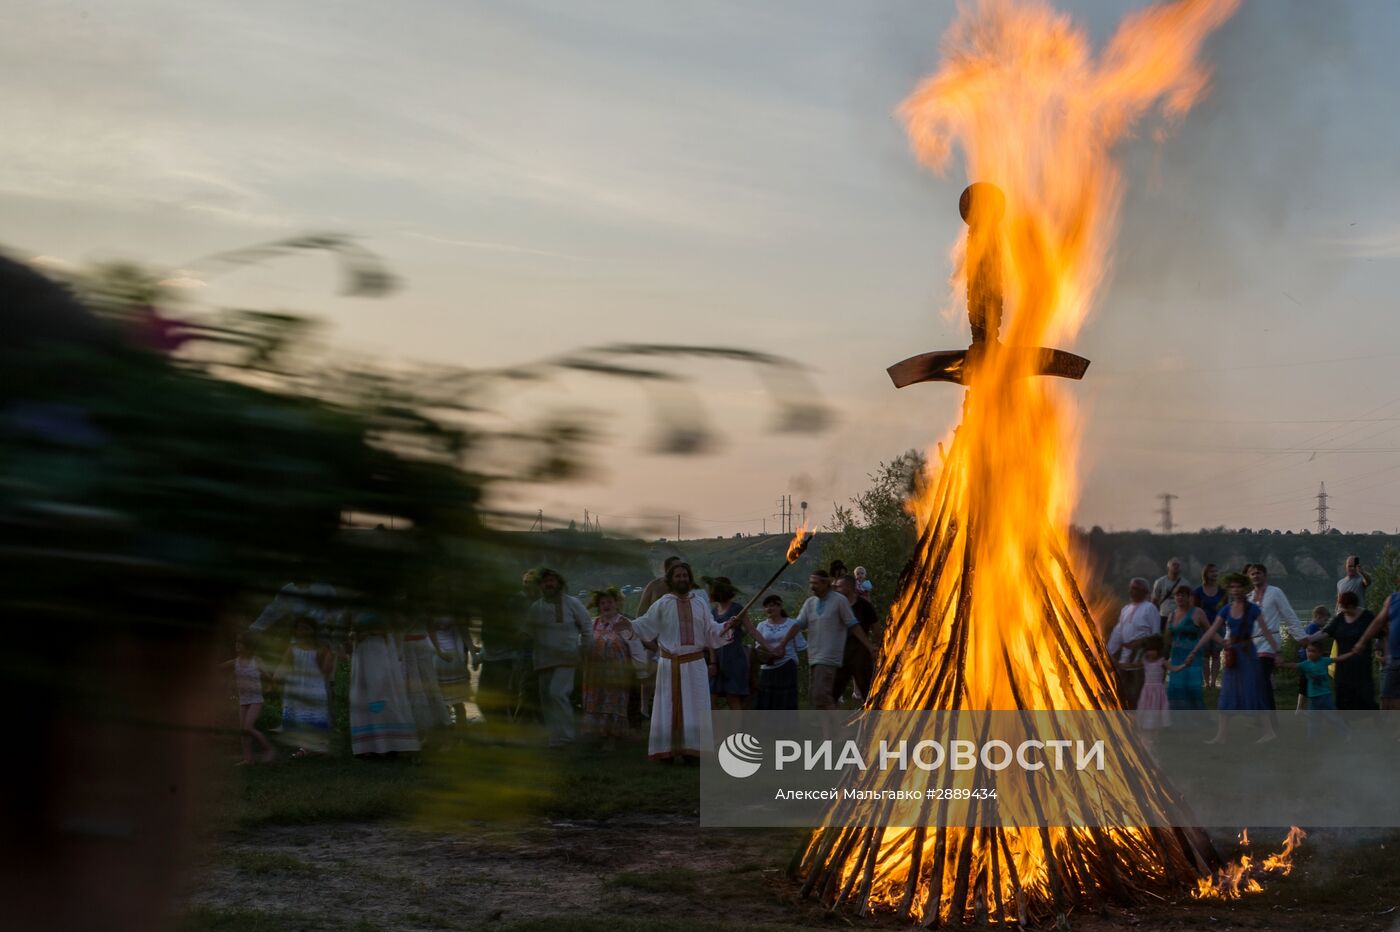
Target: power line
1212	483
1322	526
784	513
1256	365
1166	511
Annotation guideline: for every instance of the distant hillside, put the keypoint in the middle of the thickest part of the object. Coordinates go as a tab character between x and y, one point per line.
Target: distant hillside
1306	566
590	562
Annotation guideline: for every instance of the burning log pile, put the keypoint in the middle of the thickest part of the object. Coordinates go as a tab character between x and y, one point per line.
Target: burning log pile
989	615
1043	654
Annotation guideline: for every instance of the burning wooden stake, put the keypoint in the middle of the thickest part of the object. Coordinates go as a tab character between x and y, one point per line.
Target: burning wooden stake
989	615
1039	653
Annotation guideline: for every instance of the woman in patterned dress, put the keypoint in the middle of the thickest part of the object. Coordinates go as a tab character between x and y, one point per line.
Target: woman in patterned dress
609	669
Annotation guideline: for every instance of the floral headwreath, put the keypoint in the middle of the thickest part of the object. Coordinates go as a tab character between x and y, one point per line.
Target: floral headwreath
599	594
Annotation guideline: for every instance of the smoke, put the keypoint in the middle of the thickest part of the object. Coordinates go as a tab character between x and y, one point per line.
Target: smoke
1206	209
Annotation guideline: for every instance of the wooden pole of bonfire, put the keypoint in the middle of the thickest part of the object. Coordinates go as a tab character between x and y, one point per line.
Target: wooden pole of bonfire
986	872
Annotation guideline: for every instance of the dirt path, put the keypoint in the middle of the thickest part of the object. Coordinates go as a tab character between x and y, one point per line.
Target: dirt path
386	876
561	874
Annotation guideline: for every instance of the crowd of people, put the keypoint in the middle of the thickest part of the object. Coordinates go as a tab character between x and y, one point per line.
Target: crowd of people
1172	641
690	647
681	653
405	684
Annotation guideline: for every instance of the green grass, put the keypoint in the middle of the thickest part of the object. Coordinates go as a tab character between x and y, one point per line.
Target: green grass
325	790
488	777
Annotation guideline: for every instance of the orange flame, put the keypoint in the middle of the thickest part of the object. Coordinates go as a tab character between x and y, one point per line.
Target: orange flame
799	543
1240	877
1037	115
1035	112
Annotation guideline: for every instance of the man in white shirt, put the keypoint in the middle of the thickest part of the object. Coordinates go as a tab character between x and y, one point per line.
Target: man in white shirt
828	620
1277	614
1355	580
1137	621
1165	587
681	626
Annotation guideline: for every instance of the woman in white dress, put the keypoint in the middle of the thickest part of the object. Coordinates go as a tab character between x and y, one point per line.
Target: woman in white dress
381	720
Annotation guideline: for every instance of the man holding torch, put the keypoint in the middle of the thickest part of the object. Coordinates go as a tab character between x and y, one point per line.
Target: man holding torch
681	627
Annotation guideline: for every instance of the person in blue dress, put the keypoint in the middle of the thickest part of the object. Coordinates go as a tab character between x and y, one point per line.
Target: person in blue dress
1210	598
1235	627
729	677
1186	625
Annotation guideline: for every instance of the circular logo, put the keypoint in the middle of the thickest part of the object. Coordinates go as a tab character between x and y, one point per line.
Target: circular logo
740	755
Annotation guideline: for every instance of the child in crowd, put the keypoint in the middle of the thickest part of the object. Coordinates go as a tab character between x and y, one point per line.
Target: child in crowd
777	675
306	715
864	587
1321	616
1321	704
248	679
1153	712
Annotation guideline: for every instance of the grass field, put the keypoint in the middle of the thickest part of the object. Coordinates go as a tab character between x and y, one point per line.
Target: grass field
493	831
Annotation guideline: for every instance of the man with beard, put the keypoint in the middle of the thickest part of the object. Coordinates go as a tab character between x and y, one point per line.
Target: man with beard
557	625
653	591
681	628
858	663
657	587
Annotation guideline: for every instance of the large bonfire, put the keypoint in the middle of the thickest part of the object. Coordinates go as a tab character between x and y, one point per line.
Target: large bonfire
989	616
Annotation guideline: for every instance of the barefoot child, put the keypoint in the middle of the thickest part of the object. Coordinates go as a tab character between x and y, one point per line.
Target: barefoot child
248	679
1153	712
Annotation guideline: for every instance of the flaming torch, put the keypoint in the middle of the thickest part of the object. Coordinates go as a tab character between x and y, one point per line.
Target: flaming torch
795	548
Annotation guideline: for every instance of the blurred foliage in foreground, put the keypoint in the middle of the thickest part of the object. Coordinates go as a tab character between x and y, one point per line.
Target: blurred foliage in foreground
162	474
188	458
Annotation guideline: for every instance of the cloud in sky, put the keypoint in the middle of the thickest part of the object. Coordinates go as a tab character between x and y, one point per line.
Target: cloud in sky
1384	244
547	175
